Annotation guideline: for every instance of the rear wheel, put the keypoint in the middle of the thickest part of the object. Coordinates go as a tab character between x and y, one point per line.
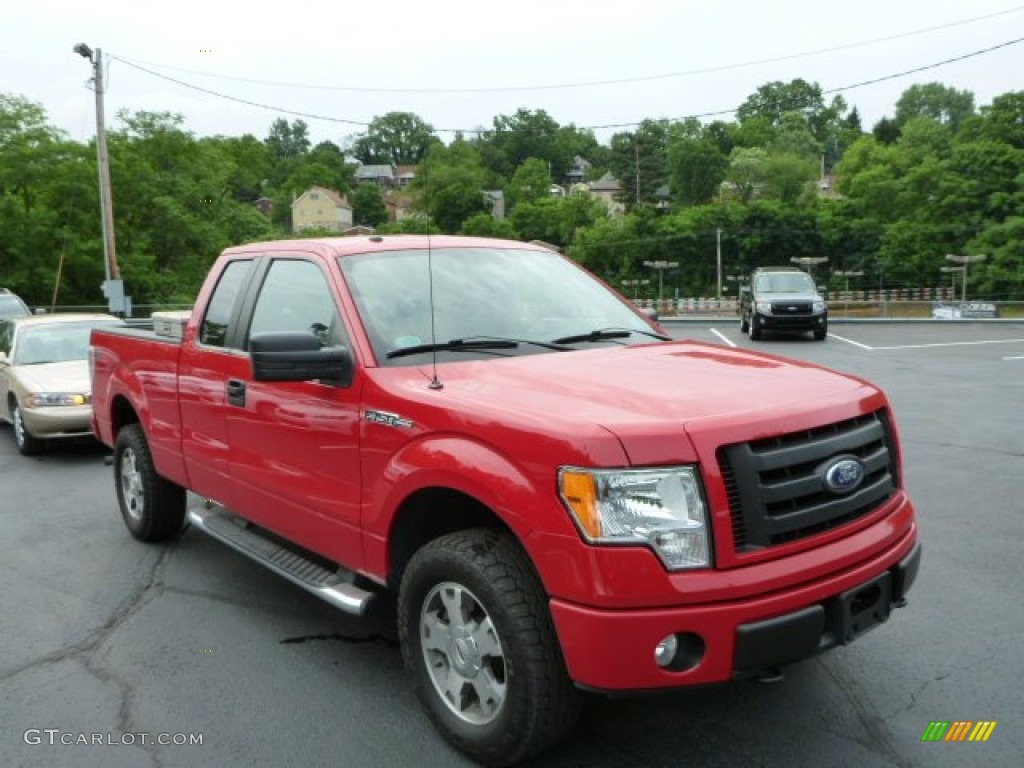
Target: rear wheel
26	443
153	507
744	324
477	634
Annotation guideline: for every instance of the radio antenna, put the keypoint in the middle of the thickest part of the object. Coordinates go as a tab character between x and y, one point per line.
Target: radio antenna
435	383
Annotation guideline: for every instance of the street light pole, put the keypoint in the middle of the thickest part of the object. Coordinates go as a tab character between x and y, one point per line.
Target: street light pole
661	266
847	274
966	261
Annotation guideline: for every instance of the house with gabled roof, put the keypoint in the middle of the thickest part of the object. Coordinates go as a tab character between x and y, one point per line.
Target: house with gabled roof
321	208
381	175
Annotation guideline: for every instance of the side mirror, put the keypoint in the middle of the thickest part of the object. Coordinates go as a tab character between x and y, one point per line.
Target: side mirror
298	356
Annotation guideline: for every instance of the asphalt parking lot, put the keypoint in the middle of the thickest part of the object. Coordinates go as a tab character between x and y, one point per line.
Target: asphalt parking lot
105	636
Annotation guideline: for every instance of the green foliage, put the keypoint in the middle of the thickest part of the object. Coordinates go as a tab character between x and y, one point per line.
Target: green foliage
936	101
530	182
368	207
697	169
397	138
485	225
940	177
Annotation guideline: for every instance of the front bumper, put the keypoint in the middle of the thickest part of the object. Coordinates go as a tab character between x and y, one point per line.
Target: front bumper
613	650
58	421
792	322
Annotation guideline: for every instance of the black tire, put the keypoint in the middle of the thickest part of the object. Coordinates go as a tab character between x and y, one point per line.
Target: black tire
518	662
820	334
755	328
153	507
26	443
744	324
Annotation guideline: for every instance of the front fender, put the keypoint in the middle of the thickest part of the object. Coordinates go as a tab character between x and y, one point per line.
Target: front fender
525	503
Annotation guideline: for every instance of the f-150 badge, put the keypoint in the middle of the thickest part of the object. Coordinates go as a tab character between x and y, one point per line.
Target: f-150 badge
387	419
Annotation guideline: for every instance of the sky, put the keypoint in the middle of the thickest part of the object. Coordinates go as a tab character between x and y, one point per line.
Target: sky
458	64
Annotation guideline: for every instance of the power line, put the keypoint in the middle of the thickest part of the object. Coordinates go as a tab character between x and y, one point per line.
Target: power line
716	113
592	83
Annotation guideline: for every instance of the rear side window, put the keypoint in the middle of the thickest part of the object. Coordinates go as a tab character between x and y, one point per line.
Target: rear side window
222	303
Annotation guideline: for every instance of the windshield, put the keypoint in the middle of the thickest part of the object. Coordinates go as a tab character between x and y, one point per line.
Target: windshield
53	343
785	282
526	295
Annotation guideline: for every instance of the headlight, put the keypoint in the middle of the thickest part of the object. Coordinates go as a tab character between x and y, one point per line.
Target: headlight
764	307
52	399
819	307
662	508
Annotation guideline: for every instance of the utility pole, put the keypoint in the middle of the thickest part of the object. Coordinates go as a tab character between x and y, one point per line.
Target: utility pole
113	287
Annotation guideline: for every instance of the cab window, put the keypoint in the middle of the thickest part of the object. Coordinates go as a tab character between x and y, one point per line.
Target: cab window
295	296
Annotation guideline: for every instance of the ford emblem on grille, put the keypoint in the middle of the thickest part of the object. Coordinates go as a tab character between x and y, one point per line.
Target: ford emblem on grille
844	475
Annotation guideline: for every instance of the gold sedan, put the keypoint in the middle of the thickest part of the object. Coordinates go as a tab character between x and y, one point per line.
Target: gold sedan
45	390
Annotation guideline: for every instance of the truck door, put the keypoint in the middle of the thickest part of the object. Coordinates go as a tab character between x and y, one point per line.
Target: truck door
206	364
294	450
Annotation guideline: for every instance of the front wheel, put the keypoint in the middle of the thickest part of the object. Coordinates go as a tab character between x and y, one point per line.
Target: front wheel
755	328
26	443
744	324
820	334
153	507
477	634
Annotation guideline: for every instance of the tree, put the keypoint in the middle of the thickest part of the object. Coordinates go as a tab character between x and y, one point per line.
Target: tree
287	140
449	185
530	182
773	100
396	138
368	207
941	103
639	160
886	131
697	169
746	172
485	225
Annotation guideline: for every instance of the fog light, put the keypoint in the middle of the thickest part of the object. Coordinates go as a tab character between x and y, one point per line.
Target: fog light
665	651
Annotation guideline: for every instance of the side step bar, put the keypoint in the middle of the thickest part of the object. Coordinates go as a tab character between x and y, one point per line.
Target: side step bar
335	587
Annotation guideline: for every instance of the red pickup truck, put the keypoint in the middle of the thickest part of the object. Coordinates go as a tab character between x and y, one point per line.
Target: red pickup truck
561	497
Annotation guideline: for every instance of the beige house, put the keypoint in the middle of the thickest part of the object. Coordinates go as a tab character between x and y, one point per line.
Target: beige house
608	189
321	208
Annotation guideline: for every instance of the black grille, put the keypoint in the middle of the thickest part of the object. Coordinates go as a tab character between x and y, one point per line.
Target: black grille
776	489
791	308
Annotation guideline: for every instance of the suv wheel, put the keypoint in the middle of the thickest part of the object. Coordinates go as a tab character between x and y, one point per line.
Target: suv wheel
744	324
755	328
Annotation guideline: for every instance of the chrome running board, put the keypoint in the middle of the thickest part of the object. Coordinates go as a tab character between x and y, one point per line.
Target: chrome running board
335	587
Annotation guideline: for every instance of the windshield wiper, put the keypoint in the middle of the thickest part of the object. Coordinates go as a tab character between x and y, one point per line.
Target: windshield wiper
472	343
453	345
608	334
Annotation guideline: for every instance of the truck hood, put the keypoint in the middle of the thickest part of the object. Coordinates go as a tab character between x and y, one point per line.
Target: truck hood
644	391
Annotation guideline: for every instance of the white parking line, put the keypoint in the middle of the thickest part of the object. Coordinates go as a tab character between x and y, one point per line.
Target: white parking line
723	337
855	343
1019	357
954	344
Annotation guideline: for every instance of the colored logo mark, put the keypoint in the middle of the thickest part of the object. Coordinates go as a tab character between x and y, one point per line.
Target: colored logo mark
958	730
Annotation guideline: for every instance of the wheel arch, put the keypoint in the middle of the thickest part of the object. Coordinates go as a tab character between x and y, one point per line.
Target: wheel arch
413	526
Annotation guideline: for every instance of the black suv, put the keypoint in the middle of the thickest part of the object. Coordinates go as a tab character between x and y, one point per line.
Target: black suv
782	299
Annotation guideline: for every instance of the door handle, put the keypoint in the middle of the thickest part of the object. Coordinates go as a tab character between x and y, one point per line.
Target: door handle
236	392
